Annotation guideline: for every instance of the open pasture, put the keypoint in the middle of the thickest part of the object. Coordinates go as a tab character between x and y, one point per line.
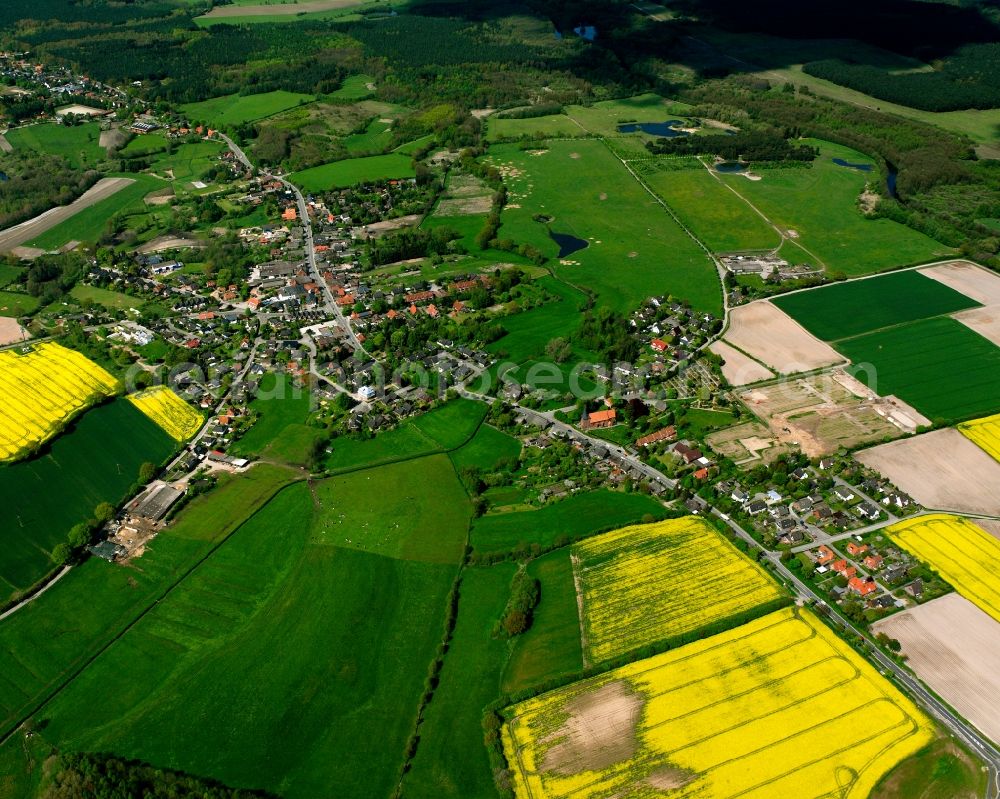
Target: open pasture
653	582
942	469
486	450
953	646
771	708
237	109
625	257
985	433
844	310
96	460
42	388
769	335
939	366
819	204
15	304
105	297
960	551
604	117
716	215
555	126
172	414
279	404
576	516
355	631
341	174
78	144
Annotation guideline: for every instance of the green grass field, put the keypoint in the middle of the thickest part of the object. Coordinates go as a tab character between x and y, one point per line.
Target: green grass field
280	404
79	144
87	225
109	299
717	216
9	273
554	126
236	109
848	309
578	516
97	460
820	205
189	161
341	174
376	138
945	370
551	647
355	632
488	448
603	118
355	87
629	256
451	760
16	304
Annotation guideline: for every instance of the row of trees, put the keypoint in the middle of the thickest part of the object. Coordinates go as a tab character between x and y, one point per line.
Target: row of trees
752	145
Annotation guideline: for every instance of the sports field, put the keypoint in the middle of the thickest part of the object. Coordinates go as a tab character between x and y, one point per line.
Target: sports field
772	708
237	109
941	367
717	215
960	551
574	517
96	460
42	387
843	310
820	205
172	414
653	582
985	433
584	189
341	174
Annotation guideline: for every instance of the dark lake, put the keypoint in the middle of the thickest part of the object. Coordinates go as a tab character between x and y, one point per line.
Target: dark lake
664	129
730	166
567	244
861	167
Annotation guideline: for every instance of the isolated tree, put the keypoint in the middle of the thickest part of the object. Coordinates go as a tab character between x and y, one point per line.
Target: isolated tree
79	535
61	554
104	513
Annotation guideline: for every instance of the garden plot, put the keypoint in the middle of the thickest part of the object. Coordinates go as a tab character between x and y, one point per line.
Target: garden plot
778	707
954	647
646	583
941	470
768	334
739	368
748	444
826	412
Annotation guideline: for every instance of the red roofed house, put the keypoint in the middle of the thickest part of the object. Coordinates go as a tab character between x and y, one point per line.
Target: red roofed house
602	418
856	549
432	311
843	569
659	345
825	555
289	214
863	586
666	434
345	301
192	343
701	474
254	302
873	562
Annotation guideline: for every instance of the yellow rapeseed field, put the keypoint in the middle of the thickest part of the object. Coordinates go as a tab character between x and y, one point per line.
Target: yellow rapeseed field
40	390
648	582
169	411
960	551
985	433
780	707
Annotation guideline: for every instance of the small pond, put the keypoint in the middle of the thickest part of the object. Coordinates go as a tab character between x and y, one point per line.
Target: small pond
663	129
849	165
731	166
3	177
567	244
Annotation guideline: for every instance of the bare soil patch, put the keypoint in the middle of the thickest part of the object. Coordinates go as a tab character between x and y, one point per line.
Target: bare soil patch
280	9
941	470
669	778
985	321
739	369
824	412
748	444
389	225
19	234
463	206
774	338
971	280
170	243
991	526
11	332
600	730
954	647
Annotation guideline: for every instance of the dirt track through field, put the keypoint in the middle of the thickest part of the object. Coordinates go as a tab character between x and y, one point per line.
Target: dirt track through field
941	470
279	9
26	231
954	647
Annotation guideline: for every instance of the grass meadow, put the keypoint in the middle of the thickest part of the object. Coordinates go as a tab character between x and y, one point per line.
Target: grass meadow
486	450
945	370
88	224
13	303
820	204
79	144
575	517
96	460
109	299
341	174
237	109
630	256
874	304
279	405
